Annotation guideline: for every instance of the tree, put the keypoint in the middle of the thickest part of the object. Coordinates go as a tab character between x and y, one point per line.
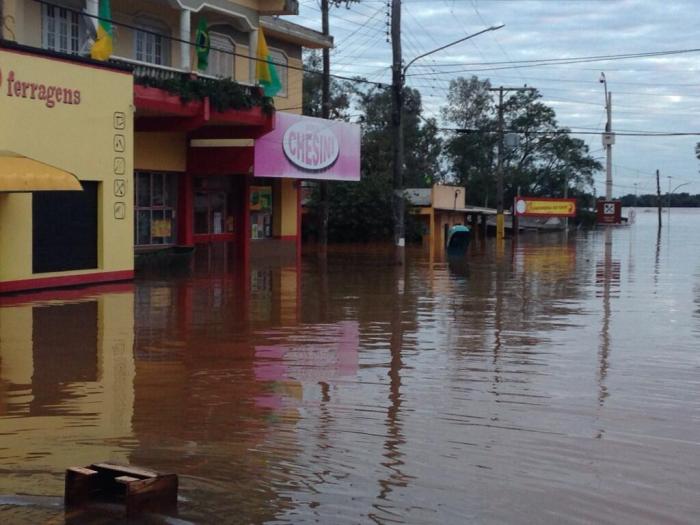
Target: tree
340	95
546	162
361	211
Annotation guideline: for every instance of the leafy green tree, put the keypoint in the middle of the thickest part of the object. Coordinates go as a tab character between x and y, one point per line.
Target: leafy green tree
341	92
546	161
361	211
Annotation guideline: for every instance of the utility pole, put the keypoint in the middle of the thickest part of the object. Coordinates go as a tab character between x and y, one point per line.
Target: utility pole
325	113
500	219
397	78
658	196
608	139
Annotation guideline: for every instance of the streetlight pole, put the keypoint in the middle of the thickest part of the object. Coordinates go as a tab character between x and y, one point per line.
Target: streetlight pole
671	192
608	139
398	83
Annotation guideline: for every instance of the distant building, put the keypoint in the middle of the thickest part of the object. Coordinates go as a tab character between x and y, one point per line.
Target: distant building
441	207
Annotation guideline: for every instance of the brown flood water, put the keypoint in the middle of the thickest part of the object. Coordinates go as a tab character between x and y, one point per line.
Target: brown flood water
557	382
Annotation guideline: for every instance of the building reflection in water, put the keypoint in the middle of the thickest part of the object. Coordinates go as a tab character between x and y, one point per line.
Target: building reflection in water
67	370
201	374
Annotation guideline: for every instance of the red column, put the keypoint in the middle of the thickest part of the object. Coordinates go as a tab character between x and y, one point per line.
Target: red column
185	210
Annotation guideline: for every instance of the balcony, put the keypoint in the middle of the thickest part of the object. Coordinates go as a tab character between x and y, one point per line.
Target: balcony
170	99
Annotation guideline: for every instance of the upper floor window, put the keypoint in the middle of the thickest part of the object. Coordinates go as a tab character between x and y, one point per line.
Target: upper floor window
152	45
221	57
279	58
61	29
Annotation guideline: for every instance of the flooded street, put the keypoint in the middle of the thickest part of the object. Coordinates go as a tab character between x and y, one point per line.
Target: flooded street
556	382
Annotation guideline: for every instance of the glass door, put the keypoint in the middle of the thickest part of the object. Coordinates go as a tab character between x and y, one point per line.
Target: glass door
212	219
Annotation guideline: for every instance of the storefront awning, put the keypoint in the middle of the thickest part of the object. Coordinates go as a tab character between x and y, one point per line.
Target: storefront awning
22	174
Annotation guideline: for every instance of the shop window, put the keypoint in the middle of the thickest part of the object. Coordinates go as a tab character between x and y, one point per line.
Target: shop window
260	212
151	45
221	56
61	30
279	58
65	229
155	205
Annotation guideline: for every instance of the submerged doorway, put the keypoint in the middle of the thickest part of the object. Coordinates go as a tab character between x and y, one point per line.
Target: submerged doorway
213	210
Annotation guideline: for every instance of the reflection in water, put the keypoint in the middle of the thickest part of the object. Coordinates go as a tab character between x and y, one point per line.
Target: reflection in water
394	437
350	390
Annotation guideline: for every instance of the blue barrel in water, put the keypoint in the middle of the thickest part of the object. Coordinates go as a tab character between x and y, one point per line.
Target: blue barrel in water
458	238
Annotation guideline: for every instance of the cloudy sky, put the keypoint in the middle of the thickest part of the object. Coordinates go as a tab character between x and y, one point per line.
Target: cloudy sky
650	94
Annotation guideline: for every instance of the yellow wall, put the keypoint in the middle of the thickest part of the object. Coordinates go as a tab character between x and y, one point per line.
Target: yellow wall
77	138
292	100
450	197
160	151
288	207
107	402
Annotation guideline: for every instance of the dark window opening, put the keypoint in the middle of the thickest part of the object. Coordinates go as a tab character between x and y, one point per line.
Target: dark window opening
65	229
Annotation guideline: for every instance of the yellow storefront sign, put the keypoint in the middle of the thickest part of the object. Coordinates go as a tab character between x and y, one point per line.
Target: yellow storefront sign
545	207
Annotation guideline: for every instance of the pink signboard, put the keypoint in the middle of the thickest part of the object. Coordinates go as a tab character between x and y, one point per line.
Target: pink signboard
309	148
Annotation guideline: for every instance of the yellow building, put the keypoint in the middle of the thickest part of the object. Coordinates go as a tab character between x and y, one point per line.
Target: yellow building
441	207
163	149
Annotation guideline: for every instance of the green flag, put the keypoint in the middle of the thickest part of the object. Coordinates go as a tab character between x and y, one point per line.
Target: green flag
266	72
202	45
102	48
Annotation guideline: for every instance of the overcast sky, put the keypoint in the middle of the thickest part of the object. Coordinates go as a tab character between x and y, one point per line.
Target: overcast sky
660	93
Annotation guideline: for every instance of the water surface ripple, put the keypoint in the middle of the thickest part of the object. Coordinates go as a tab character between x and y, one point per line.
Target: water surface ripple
553	382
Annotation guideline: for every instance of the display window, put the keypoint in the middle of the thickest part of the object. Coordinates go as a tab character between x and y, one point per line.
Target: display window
156	202
260	212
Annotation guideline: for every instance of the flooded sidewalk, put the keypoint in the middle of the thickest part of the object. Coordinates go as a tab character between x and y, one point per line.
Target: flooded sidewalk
555	382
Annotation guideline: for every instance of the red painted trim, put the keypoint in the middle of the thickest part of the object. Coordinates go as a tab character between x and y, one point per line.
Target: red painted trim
213	237
185	210
246	221
220	161
160	101
65	280
297	185
71	294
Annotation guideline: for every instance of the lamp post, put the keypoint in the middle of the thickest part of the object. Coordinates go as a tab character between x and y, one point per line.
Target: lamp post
399	81
671	192
608	139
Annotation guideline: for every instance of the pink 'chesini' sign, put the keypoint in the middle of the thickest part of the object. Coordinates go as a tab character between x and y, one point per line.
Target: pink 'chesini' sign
309	148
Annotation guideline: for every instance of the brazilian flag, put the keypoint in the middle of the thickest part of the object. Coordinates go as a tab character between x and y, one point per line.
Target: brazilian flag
266	72
202	45
102	48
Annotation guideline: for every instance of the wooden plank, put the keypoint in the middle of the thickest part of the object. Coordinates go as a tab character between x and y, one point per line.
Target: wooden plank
80	483
152	495
124	469
82	470
125	479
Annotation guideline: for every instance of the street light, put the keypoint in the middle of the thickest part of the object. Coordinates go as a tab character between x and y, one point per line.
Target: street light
399	82
459	41
608	139
671	192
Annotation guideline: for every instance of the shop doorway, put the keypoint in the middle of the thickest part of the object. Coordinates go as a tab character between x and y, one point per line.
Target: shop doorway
213	213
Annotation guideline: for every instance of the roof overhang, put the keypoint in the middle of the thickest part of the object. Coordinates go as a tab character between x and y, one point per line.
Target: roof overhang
295	33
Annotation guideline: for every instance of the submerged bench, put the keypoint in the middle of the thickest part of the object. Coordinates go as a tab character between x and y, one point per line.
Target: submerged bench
140	490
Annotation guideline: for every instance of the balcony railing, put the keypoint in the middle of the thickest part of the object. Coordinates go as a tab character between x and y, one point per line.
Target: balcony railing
223	93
